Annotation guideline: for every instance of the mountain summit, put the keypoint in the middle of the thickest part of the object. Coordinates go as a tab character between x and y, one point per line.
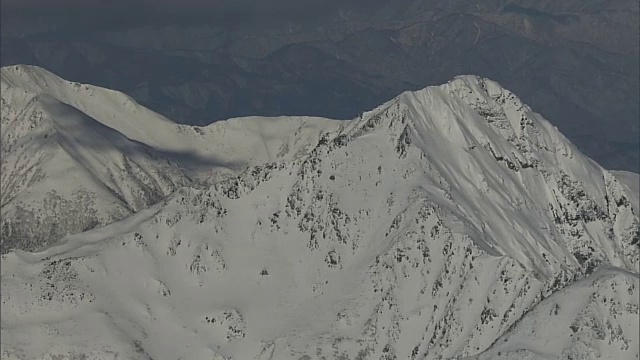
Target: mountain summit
450	222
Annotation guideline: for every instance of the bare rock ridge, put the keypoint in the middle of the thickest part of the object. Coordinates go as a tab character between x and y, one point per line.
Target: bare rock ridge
451	222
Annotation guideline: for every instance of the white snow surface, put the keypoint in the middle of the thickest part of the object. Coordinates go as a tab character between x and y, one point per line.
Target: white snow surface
77	156
452	222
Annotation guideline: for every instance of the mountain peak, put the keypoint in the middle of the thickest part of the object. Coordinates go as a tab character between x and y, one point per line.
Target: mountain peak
431	227
465	113
482	145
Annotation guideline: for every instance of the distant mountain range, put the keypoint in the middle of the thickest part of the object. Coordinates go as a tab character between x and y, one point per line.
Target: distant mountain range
451	222
577	62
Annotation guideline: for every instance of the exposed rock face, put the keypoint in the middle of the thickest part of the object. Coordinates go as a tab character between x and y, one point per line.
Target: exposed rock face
575	61
451	222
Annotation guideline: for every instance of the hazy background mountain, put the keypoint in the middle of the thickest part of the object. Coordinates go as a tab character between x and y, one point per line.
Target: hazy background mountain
196	62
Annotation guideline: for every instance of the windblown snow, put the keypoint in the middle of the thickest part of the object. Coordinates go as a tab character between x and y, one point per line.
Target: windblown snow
452	222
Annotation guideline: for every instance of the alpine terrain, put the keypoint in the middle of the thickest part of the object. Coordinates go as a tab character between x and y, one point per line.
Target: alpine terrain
451	222
76	156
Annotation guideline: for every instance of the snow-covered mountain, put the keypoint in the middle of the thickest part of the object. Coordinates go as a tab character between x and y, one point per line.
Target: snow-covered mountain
77	156
451	222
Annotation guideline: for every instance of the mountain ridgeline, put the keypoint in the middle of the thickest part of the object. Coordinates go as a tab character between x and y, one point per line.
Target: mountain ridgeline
449	222
574	61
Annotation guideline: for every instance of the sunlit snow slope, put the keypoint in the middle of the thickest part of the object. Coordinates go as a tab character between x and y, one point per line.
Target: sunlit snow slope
451	222
77	156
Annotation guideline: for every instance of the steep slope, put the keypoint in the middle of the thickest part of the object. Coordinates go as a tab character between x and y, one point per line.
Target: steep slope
432	227
76	156
63	172
632	183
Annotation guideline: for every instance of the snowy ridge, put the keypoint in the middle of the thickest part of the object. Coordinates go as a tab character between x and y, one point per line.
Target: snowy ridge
447	223
600	311
98	156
